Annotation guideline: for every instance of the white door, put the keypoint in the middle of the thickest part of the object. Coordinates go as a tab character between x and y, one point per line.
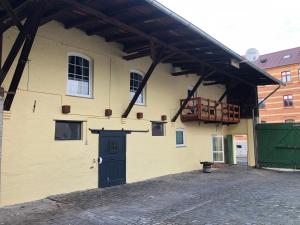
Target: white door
241	152
218	148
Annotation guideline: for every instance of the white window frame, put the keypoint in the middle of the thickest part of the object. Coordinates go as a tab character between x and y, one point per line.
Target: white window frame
286	76
90	95
289	98
183	136
223	150
143	103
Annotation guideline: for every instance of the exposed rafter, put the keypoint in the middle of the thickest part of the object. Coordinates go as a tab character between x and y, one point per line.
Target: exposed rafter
80	22
137	21
54	14
89	10
33	24
185	72
139	54
155	62
191	94
10	11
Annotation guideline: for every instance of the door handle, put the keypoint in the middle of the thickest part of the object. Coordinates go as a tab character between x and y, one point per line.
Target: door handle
100	160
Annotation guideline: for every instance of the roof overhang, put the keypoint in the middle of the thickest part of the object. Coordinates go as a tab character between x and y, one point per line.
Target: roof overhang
141	24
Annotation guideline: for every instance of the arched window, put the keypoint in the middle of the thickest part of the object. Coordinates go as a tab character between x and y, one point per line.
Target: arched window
79	75
135	81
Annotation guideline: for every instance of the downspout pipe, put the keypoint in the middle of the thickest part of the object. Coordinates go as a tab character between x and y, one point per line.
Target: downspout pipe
254	119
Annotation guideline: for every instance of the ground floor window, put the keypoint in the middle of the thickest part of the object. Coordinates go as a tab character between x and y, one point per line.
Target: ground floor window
290	121
218	148
180	142
68	130
158	129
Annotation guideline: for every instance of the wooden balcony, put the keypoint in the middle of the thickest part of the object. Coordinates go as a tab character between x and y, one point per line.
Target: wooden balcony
201	109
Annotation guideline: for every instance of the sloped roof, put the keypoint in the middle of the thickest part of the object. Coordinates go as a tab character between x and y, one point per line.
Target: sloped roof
280	58
138	25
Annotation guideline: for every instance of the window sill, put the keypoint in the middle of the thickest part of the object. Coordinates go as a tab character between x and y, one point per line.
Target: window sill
140	104
80	96
181	146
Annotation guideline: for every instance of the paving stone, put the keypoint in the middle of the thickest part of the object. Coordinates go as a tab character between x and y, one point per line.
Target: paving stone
234	195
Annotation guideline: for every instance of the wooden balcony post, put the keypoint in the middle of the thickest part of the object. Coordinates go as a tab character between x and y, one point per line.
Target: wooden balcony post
190	95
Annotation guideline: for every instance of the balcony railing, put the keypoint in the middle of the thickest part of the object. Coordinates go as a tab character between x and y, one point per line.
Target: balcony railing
201	109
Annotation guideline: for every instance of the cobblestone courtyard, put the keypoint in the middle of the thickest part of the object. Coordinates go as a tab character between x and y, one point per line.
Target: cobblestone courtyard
235	195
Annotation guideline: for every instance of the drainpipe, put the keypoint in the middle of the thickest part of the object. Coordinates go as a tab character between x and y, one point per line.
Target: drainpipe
254	120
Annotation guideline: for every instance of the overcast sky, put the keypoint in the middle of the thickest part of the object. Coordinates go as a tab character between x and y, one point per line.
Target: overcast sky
268	25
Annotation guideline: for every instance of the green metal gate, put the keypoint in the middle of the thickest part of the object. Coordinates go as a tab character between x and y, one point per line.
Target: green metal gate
278	145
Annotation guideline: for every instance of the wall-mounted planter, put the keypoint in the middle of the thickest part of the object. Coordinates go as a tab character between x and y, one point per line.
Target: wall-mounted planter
164	117
139	115
66	109
108	112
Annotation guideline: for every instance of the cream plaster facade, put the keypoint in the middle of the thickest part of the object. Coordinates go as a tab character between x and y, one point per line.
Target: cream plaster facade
35	166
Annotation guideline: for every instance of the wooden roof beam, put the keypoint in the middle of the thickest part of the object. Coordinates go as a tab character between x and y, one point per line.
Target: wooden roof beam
54	14
140	54
111	12
131	21
129	36
80	22
185	72
191	94
134	48
85	8
10	11
121	9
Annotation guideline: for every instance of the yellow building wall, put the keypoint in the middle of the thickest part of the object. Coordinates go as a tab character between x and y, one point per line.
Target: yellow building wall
245	127
35	166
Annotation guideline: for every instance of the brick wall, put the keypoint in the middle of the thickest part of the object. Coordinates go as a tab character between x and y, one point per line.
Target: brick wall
275	111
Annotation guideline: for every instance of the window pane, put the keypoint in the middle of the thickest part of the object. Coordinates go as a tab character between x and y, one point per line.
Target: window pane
72	59
79	76
135	82
66	130
290	121
218	148
86	63
79	61
71	68
86	72
218	156
179	137
157	129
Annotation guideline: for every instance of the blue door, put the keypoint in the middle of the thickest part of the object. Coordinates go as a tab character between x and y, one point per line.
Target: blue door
112	158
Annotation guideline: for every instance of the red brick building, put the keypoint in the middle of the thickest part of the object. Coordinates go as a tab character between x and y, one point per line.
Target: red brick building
284	105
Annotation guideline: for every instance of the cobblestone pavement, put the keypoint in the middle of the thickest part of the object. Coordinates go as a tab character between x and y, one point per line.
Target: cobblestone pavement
235	195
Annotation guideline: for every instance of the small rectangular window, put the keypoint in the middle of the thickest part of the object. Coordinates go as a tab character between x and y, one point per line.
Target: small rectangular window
68	130
180	142
288	100
286	76
289	121
158	129
299	74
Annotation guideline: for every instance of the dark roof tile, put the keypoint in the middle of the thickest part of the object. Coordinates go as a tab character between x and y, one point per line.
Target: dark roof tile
280	58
